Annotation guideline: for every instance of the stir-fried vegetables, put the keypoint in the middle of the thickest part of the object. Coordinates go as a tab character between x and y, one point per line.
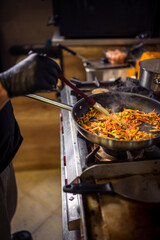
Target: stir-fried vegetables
138	125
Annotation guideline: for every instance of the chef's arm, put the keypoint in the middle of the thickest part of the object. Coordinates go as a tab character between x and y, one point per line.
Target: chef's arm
3	96
35	73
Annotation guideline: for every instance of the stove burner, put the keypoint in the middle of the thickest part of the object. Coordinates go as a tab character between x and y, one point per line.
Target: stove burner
131	156
114	153
126	155
99	154
129	85
105	156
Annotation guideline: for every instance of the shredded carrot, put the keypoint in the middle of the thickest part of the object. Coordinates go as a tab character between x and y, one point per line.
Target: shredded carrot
132	120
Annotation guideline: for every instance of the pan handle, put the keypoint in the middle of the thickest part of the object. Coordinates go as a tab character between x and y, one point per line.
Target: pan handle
67	49
73	53
80	188
50	101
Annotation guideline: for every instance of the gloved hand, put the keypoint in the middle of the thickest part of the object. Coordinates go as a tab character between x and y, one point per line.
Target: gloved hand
35	73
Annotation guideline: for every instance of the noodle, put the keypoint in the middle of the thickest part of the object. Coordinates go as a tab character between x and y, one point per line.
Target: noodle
138	125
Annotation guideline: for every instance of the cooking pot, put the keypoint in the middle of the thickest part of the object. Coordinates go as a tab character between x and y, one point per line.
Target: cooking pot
111	100
150	74
99	69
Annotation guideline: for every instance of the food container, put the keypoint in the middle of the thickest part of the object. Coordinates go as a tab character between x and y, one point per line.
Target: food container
105	71
116	56
150	74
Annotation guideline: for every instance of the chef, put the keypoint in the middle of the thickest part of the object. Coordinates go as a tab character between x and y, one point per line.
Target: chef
33	74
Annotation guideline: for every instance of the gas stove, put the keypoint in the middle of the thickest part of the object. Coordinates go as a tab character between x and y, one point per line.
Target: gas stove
84	217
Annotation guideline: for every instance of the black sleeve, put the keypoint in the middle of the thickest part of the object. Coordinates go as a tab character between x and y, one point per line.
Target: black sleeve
10	136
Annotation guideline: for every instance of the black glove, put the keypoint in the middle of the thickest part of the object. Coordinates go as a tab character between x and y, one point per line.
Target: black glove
35	73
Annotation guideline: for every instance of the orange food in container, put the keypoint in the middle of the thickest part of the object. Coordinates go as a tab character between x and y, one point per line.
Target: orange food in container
116	56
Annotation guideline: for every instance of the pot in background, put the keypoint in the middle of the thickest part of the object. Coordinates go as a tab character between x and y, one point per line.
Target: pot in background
150	74
101	69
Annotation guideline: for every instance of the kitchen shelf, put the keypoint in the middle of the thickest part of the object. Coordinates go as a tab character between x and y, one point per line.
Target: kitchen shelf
99	41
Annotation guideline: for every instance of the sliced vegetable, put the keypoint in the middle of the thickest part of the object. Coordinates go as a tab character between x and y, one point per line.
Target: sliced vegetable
132	120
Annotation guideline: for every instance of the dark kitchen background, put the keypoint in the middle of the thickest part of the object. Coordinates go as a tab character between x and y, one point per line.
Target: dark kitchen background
89	28
101	19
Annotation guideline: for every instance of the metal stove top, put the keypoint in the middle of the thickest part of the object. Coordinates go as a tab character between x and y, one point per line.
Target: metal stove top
74	149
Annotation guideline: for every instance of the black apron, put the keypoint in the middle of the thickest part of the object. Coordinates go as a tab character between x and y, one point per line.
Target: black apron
10	136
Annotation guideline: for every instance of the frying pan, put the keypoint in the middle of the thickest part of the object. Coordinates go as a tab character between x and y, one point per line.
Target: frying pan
113	101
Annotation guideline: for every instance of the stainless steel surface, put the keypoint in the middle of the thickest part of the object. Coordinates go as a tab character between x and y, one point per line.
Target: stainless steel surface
114	170
142	188
50	101
71	167
67	234
105	71
151	65
71	170
98	64
150	74
105	74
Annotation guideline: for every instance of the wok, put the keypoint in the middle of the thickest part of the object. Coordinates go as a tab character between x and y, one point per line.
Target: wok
112	100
